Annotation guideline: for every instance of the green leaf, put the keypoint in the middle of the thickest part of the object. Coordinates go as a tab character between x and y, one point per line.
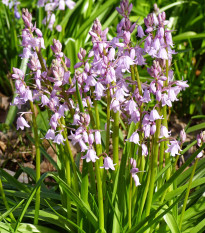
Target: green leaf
188	35
4	215
80	103
181	189
186	174
195	128
12	181
151	218
195	210
199	227
25	227
13	109
70	47
177	173
47	156
66	219
172	5
79	202
42	120
94	16
171	222
47	217
69	13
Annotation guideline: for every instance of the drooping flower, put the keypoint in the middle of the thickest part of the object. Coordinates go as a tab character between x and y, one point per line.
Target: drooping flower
134	138
97	137
182	135
200	154
173	148
21	123
82	145
133	171
50	135
140	32
164	132
154	115
108	164
144	150
90	156
59	139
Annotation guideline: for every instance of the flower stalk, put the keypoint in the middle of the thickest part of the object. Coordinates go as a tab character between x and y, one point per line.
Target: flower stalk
38	163
187	194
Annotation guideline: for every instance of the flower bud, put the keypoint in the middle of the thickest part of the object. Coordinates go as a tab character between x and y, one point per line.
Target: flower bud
182	136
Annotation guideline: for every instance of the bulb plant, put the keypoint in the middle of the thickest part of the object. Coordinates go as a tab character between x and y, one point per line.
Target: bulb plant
125	182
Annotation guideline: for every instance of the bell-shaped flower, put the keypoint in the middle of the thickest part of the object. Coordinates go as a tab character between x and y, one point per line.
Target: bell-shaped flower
70	4
165	100
200	154
61	5
146	97
135	138
97	137
146	129
163	54
133	171
82	146
44	100
99	90
173	148
108	164
115	105
182	135
140	32
133	162
171	95
144	150
50	135
153	129
59	139
54	120
154	115
21	123
124	63
90	156
164	132
90	139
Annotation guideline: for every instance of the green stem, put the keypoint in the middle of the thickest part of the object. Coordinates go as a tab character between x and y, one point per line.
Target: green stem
68	179
69	152
100	196
153	167
139	215
66	166
163	144
66	69
130	205
141	161
115	139
187	194
175	208
132	76
165	123
5	201
108	121
84	185
38	163
99	174
138	80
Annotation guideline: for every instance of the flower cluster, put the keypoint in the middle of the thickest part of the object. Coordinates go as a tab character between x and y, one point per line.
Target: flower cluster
50	6
100	75
13	4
